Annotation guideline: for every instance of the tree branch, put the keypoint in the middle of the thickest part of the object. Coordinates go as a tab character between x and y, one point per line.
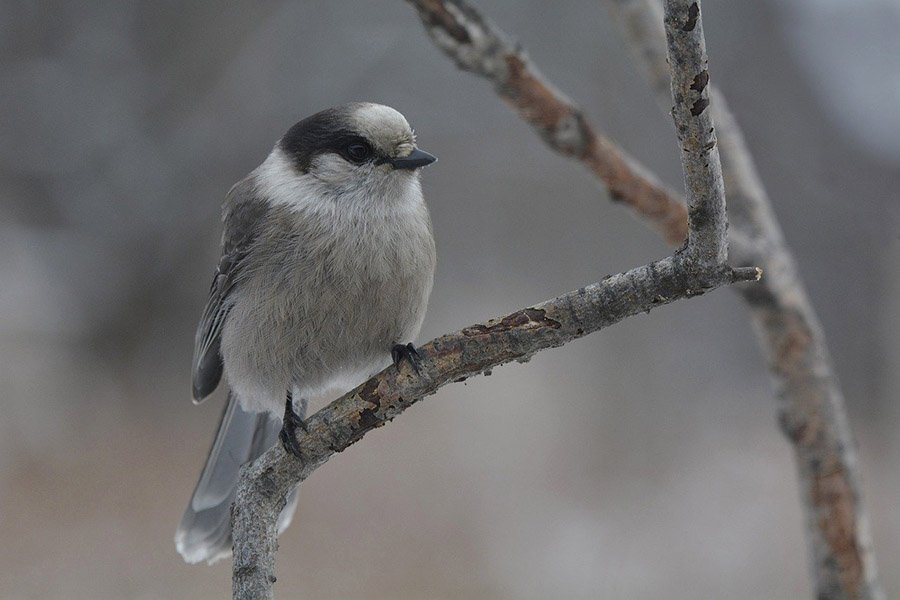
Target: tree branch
812	407
266	482
480	47
813	415
813	412
707	242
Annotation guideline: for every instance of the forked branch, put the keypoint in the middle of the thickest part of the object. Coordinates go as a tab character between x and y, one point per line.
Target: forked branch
813	412
812	407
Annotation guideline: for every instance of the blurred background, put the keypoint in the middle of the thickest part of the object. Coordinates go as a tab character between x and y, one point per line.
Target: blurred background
614	467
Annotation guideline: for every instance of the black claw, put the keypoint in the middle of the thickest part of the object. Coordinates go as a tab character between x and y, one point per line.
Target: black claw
289	426
408	352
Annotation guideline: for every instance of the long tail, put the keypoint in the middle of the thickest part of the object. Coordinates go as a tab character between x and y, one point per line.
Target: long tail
205	529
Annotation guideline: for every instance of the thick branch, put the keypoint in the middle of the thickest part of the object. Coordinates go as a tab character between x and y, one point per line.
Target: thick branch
696	134
480	47
266	482
813	412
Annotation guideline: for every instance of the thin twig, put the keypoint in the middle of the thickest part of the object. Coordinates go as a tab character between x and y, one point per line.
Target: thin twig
749	210
480	47
266	482
707	241
813	412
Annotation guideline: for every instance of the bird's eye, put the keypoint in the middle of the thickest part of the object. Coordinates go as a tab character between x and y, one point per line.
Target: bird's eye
358	152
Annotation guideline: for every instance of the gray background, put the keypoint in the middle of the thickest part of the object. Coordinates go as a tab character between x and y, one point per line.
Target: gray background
613	467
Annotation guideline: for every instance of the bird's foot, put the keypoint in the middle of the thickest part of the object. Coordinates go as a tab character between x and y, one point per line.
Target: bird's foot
289	426
408	352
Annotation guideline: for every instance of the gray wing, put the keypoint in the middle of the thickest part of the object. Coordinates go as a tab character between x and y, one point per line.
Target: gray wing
207	361
243	214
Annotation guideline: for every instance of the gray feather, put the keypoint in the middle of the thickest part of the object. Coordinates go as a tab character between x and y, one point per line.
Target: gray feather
339	272
243	216
204	533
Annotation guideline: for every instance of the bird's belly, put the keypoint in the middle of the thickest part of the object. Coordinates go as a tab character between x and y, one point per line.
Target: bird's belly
320	330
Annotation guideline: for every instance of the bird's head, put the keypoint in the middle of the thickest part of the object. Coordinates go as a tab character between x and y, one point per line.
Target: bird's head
354	150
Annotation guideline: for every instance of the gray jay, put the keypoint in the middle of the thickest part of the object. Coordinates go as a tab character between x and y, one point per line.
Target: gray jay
327	265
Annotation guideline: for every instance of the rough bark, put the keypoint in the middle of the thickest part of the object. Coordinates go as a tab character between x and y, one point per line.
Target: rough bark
266	482
813	414
707	242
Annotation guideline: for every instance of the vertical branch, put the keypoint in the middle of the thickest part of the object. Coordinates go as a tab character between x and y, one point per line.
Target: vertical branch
254	529
705	189
812	406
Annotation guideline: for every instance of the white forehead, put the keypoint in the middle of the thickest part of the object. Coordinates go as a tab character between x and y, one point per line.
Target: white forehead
379	118
382	125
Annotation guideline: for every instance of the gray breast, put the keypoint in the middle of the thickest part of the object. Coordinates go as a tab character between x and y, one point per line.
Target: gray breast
319	306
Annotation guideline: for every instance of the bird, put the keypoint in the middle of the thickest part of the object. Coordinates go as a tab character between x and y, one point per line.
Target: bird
327	263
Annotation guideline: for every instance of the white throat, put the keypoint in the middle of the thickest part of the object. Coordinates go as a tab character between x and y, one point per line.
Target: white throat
336	187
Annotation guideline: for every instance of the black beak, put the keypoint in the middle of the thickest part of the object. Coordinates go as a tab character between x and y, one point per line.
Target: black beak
417	158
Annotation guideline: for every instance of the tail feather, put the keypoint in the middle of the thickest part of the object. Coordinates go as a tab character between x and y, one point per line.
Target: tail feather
204	533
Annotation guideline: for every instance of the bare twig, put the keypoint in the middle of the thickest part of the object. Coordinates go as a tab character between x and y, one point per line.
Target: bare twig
266	482
749	211
693	123
813	412
478	46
